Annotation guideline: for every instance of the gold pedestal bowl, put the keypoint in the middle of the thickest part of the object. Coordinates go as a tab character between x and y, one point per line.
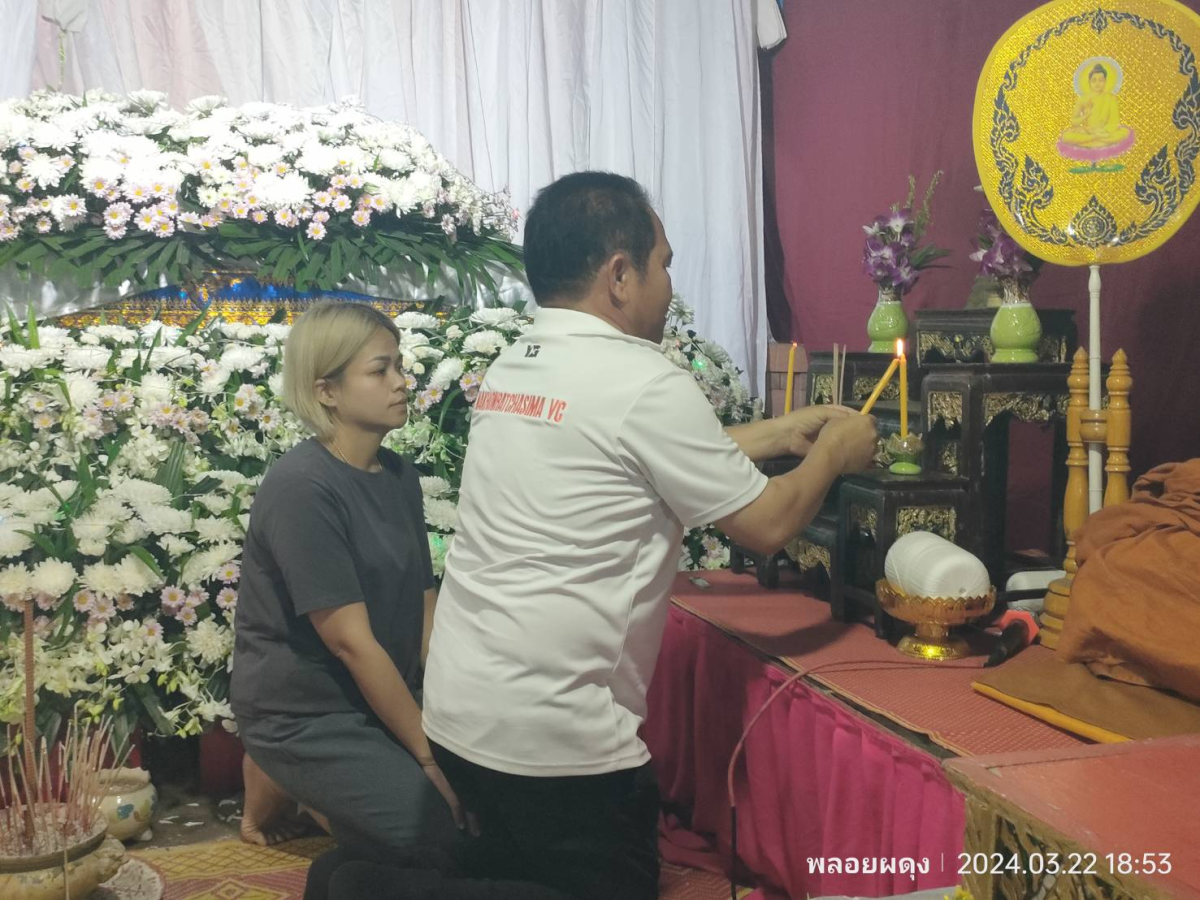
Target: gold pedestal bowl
933	618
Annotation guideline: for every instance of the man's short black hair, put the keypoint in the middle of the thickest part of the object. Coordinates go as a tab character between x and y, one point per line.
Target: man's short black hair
579	222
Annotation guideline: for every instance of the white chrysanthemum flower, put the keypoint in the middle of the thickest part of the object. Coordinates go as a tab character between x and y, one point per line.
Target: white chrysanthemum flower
205	564
424	184
318	158
675	355
175	546
15	581
680	312
264	156
86	359
80	390
434	486
277	331
102	580
165	520
241	358
215	503
206	104
135	576
44	170
51	136
132	531
155	388
238	331
210	642
147	101
137	492
413	345
229	479
167	334
441	514
397	160
12	542
52	577
447	372
487	343
496	317
38	507
53	337
215	531
116	334
164	357
22	359
214	381
408	320
282	191
717	354
91	530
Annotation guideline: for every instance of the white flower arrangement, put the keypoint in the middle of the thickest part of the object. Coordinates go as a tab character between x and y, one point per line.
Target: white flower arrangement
108	189
123	508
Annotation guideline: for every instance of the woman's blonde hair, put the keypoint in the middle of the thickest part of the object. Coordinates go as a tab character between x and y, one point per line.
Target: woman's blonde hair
321	344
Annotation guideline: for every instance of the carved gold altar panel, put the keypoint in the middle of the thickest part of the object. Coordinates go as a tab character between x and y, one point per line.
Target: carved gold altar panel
229	296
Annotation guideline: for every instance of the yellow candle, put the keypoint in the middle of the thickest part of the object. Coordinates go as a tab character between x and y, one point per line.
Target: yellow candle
903	388
883	382
791	377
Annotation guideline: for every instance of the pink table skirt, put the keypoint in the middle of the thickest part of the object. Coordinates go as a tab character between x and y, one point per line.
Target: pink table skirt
816	781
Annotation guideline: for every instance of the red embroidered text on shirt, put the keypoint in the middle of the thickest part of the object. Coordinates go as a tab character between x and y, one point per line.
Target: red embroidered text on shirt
532	405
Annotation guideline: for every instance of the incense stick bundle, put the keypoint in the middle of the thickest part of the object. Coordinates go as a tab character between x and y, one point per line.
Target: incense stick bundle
45	811
839	374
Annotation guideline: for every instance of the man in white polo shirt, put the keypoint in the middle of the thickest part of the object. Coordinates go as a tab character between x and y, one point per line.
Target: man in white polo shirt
590	455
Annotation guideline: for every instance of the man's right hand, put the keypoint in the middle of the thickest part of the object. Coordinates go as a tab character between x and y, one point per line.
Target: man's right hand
850	442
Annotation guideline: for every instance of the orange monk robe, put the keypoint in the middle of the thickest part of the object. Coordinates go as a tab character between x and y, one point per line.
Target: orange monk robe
1135	603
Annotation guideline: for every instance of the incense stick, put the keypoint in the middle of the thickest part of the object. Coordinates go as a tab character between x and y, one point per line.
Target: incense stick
842	377
835	399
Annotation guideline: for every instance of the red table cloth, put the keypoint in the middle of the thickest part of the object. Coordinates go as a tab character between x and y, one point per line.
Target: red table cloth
817	781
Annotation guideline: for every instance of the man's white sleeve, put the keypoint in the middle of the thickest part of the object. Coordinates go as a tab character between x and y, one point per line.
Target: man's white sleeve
672	437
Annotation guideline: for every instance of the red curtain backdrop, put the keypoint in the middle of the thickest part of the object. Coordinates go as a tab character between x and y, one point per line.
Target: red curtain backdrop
864	92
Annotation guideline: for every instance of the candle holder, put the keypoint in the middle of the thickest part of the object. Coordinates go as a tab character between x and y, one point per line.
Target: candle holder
905	453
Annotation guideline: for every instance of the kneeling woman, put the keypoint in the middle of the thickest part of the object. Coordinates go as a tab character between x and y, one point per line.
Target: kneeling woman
336	604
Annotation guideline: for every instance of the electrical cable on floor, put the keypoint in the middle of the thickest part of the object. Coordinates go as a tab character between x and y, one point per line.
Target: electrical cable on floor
856	665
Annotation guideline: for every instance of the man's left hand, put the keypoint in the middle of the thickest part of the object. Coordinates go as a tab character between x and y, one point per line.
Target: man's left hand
799	429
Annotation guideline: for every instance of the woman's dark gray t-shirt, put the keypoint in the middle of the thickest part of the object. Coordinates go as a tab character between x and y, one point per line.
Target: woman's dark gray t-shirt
325	534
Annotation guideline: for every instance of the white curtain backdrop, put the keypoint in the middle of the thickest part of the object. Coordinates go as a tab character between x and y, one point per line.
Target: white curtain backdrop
514	92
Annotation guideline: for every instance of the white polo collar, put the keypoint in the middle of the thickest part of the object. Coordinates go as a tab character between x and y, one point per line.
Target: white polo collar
559	320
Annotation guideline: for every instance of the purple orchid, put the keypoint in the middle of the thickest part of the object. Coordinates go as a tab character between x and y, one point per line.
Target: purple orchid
999	256
906	276
891	257
899	220
989	225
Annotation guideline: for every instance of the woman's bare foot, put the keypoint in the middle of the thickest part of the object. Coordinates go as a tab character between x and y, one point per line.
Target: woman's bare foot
269	815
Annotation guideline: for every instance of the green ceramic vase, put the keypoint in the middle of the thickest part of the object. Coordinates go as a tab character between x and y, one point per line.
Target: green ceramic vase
888	323
1016	328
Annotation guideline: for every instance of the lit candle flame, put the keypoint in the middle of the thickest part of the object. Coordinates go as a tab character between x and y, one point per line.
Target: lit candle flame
899	347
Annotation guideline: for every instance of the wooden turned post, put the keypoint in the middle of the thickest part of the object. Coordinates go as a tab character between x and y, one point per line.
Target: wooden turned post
1075	504
1119	432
